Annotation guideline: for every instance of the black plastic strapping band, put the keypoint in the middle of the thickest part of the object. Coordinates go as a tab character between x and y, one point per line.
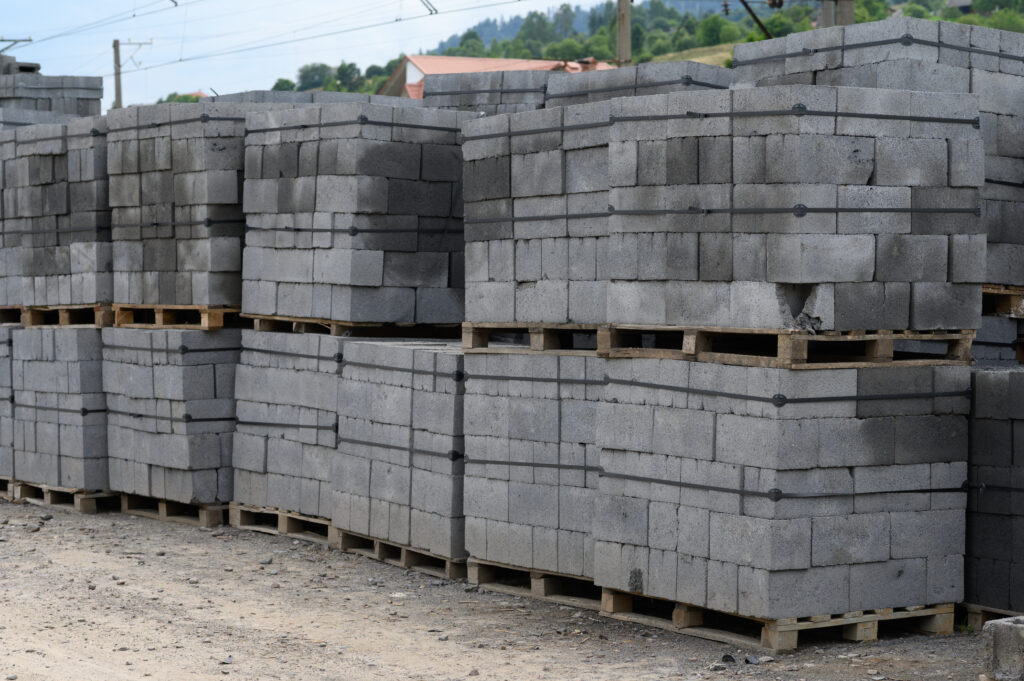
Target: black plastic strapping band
906	40
539	379
451	455
538	131
511	91
534	218
799	210
775	494
303	355
71	135
185	418
181	349
279	424
528	464
685	80
57	230
356	231
456	376
208	222
63	410
796	110
1005	183
361	120
780	400
203	118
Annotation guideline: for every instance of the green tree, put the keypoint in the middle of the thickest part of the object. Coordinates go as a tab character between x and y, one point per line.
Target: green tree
283	84
916	11
714	30
568	49
637	38
348	77
562	23
536	29
779	25
470	45
313	76
175	98
661	45
1007	20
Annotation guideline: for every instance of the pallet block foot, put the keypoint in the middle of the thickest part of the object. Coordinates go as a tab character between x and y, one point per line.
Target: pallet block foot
684	616
615	601
940	624
778	640
861	631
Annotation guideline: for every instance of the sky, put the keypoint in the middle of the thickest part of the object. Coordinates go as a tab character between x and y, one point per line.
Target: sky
232	45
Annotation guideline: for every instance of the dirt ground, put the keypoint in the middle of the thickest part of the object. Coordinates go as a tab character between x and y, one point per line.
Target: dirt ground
110	596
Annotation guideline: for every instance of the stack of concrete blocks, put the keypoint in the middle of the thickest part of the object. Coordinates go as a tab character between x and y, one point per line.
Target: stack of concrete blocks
6	402
755	260
768	510
171	420
176	202
353	221
995	76
531	460
398	471
489	92
60	420
645	79
995	531
23	88
15	118
542	269
703	222
996	342
287	434
310	97
55	214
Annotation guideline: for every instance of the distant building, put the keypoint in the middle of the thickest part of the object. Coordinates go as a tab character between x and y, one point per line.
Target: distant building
963	5
407	79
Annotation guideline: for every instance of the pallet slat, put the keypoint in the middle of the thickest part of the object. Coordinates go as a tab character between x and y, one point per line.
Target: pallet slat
68	315
82	501
198	317
779	634
284	324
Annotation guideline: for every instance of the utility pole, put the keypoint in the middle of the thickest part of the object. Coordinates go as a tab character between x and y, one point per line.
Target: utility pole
13	42
624	34
117	74
117	68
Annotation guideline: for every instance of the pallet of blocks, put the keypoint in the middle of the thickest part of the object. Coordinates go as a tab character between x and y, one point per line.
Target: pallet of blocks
397	480
354	214
60	409
903	54
171	414
994	579
58	224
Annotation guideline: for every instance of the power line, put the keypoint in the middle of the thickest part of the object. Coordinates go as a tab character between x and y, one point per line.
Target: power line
318	36
117	18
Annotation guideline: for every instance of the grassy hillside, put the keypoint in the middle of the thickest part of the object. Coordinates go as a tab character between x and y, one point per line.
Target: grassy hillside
714	55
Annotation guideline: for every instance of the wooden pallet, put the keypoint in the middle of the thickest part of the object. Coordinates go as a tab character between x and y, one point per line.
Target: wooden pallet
977	615
778	634
198	317
281	324
1002	301
279	522
512	338
200	515
780	348
83	501
68	315
398	555
10	314
571	590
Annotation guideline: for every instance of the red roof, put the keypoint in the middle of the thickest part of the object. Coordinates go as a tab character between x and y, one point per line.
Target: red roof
433	64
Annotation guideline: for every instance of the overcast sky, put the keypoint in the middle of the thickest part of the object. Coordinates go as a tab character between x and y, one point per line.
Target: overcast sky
190	36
